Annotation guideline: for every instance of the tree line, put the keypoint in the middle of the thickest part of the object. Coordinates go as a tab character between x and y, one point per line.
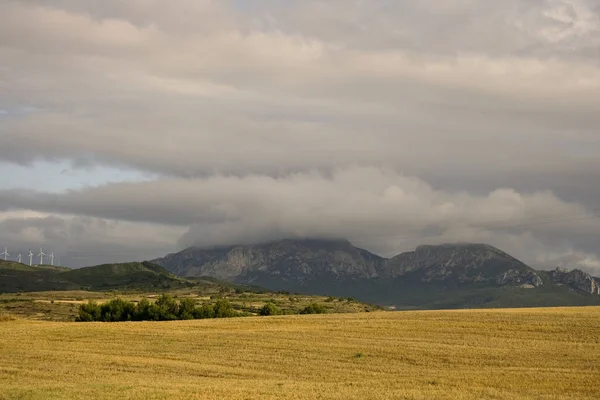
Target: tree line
166	308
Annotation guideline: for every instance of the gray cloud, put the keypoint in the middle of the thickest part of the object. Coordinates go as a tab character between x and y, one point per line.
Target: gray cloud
79	241
276	118
377	209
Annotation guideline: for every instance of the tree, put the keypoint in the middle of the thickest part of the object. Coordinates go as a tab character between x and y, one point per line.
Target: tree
187	308
117	310
223	309
269	309
206	311
314	308
167	307
89	312
146	311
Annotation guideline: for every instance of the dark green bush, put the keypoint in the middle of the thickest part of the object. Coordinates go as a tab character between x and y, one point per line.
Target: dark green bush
89	312
166	308
147	311
270	309
117	310
187	308
223	309
206	311
314	308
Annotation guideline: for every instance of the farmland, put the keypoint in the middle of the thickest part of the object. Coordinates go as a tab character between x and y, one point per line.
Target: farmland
64	305
497	354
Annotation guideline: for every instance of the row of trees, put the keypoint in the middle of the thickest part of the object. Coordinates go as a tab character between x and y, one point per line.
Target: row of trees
272	309
166	308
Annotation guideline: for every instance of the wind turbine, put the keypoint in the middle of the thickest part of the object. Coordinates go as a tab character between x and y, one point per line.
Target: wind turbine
5	254
52	258
41	256
19	259
30	258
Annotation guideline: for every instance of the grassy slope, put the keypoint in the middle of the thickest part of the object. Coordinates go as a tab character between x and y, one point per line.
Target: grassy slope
15	277
499	354
124	275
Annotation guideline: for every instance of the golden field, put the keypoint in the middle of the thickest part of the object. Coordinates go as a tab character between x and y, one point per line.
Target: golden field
484	354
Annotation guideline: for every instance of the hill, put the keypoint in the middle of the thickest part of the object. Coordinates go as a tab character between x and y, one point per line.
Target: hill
461	275
16	277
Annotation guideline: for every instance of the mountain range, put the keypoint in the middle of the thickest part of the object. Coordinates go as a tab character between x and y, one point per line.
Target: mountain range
443	276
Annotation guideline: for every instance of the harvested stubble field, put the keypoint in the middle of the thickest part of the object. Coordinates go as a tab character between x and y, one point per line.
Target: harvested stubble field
486	354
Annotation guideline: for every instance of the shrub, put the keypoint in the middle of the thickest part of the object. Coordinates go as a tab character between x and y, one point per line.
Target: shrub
223	309
187	308
117	310
146	311
89	312
206	311
270	309
167	307
314	308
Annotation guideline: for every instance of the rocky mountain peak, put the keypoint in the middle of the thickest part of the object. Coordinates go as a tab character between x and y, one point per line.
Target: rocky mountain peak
576	278
462	263
287	259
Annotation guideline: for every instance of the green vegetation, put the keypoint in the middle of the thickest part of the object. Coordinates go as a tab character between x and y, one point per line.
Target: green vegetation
15	277
200	299
270	309
166	308
468	354
314	308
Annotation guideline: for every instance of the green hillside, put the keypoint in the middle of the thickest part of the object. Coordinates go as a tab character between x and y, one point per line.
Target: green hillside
127	275
16	277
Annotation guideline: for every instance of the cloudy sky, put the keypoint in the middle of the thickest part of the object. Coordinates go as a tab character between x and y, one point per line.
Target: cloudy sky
130	129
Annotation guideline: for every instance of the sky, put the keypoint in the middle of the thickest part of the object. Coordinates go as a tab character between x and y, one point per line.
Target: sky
129	130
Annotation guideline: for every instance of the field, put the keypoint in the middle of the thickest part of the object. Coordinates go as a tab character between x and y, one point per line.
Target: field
64	305
483	354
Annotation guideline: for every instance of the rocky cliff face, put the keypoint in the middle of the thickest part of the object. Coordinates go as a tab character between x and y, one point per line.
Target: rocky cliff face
310	259
288	260
577	279
462	263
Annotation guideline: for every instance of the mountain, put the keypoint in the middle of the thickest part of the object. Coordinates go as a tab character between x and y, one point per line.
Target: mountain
288	260
443	276
16	277
577	279
462	263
